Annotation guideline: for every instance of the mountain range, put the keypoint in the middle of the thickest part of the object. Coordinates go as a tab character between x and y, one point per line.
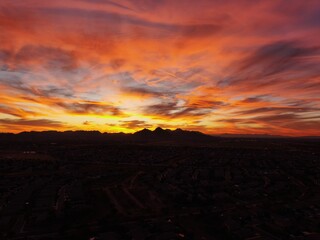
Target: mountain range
142	136
145	135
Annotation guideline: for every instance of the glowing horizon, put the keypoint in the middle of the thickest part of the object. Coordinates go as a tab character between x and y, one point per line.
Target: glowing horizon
120	66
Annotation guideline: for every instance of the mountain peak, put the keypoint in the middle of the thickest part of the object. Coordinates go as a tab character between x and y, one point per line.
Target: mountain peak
159	129
179	130
143	131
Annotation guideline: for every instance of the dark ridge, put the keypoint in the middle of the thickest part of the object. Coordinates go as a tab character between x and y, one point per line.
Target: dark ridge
144	135
179	135
144	132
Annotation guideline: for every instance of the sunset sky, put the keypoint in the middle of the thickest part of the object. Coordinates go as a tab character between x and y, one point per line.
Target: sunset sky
216	66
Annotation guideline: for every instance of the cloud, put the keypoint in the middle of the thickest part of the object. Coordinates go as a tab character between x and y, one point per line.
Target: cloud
83	108
33	123
255	99
48	91
111	3
53	91
279	64
173	109
279	118
277	57
134	124
32	56
205	102
147	91
114	23
145	5
87	123
307	126
17	112
277	110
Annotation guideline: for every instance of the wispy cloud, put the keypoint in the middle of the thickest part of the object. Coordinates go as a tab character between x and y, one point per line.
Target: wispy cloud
26	125
86	108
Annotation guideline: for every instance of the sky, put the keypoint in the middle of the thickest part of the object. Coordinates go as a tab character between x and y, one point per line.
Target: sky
216	66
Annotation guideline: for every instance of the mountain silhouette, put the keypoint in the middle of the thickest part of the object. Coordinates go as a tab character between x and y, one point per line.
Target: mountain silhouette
180	135
144	135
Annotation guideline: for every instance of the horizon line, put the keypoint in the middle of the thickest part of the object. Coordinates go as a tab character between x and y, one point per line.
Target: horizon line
216	135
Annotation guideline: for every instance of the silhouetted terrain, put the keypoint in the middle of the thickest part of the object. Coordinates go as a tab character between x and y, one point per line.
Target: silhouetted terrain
144	135
158	184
